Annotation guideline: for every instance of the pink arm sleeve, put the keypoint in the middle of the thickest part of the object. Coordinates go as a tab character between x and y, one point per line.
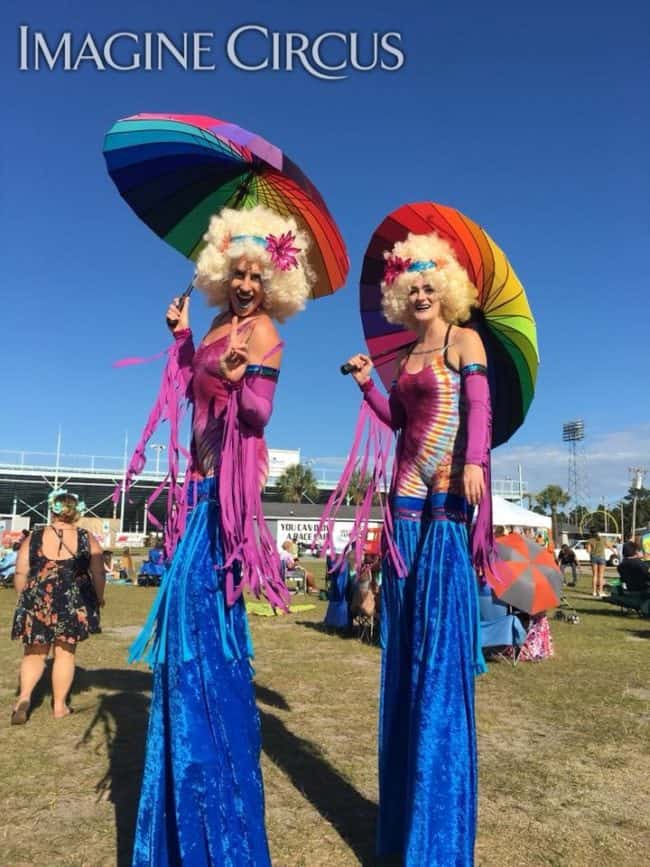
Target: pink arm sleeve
256	400
479	434
477	399
387	409
185	349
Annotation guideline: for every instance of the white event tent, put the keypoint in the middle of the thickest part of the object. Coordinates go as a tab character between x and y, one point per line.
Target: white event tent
511	515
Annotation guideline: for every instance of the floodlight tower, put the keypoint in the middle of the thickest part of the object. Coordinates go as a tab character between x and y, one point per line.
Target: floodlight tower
573	433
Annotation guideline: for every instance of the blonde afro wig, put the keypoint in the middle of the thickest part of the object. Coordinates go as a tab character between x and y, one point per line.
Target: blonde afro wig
285	292
457	293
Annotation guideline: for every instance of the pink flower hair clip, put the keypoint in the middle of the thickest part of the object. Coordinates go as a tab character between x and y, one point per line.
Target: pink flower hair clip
394	267
282	251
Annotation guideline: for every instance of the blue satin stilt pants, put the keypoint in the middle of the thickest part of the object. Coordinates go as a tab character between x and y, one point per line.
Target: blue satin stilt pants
202	800
427	737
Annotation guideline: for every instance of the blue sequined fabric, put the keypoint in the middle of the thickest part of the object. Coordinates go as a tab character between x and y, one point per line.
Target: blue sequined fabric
202	800
427	737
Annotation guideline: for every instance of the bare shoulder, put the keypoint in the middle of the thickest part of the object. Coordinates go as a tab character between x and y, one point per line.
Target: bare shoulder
265	334
469	345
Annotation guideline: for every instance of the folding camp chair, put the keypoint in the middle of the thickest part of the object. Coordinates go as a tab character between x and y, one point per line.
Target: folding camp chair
294	579
500	629
363	609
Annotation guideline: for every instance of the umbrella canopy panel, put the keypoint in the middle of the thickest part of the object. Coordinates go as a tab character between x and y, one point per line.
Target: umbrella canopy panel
176	171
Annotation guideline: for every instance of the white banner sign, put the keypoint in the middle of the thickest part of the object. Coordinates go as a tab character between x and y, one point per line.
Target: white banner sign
129	540
304	532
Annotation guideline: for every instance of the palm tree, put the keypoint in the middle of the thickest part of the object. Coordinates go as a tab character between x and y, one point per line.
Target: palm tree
552	497
296	482
358	487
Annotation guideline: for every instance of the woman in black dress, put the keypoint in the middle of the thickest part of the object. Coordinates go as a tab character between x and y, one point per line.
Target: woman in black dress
60	584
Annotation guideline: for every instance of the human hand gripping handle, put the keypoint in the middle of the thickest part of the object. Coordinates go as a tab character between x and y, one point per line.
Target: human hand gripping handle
178	314
360	366
234	361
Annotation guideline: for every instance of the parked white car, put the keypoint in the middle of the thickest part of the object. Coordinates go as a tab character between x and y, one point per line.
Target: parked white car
583	556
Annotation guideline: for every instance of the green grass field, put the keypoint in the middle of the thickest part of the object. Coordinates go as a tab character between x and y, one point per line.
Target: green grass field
565	764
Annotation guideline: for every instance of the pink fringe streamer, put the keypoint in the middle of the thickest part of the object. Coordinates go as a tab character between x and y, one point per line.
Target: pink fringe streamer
372	461
170	406
246	538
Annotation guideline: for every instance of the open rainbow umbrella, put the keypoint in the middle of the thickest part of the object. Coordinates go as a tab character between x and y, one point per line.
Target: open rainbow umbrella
528	578
177	170
502	317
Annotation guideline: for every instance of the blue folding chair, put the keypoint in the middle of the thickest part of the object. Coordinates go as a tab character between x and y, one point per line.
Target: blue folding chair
499	628
338	610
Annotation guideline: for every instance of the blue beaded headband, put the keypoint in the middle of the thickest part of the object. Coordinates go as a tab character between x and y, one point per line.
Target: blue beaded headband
422	266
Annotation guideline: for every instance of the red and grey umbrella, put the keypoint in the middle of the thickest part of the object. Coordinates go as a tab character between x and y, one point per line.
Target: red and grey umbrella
526	575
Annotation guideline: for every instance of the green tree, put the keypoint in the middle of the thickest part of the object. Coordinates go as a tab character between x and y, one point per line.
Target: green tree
296	482
642	509
357	488
550	499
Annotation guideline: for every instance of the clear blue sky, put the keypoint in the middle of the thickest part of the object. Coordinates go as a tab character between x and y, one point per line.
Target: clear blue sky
531	119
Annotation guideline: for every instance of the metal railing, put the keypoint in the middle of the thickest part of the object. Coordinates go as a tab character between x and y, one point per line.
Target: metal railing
15	462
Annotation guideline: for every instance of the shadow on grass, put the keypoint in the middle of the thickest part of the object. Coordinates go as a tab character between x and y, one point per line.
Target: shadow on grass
121	718
346	633
639	633
351	814
269	696
608	610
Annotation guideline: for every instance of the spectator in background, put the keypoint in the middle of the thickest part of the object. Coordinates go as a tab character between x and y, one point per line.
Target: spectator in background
634	571
596	548
567	560
310	581
127	570
618	545
60	585
8	564
291	563
109	566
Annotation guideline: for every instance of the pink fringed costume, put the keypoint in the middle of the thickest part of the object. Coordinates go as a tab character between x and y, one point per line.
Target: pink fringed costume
202	800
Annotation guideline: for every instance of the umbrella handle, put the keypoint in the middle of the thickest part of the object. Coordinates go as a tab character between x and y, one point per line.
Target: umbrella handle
350	368
181	303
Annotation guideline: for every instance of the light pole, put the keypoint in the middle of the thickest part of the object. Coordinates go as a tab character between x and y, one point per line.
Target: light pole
637	475
573	432
159	447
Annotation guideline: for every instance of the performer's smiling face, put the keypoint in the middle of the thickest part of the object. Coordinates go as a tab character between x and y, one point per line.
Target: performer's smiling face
246	288
424	300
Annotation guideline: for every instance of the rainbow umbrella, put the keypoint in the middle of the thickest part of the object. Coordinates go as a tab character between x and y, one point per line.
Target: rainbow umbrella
177	170
527	577
502	316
